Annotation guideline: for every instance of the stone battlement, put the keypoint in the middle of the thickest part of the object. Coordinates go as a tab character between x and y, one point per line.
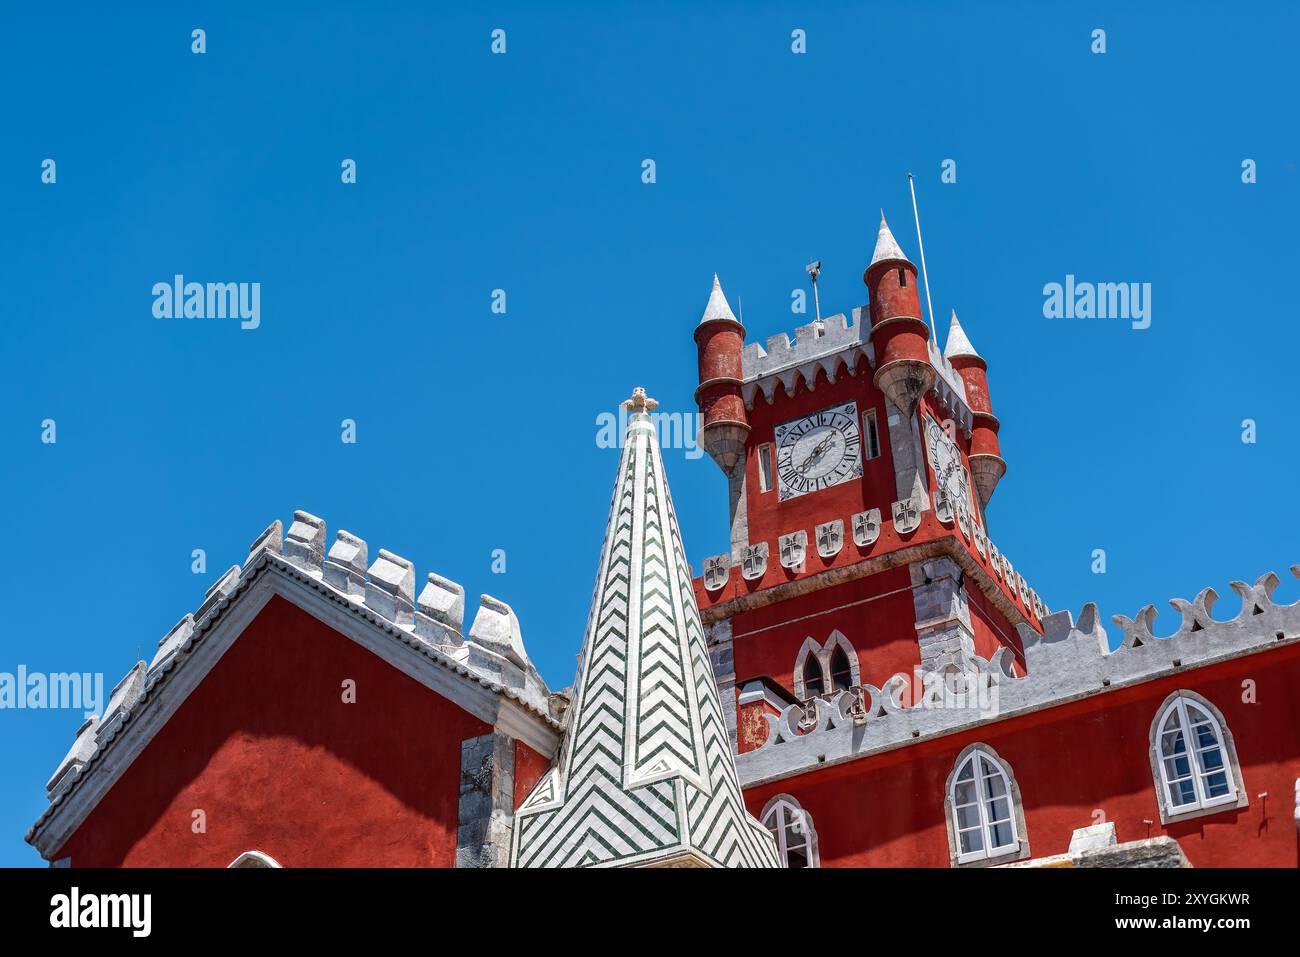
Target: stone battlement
382	591
837	339
1069	661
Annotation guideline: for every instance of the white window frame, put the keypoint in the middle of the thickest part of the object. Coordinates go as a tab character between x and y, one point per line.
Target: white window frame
1018	848
254	859
870	435
1177	705
765	474
785	804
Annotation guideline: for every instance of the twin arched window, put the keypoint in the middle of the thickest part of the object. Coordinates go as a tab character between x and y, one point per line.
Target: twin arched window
791	825
825	669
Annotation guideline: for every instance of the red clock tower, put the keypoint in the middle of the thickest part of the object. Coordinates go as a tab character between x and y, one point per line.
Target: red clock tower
860	461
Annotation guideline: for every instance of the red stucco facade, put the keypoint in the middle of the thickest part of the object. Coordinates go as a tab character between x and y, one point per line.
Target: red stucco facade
276	761
1070	763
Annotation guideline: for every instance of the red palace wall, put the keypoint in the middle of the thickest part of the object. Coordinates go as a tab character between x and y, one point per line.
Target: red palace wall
267	749
529	768
879	621
888	810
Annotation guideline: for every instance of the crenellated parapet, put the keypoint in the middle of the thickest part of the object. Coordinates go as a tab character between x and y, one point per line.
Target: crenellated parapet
380	593
837	344
817	347
1068	661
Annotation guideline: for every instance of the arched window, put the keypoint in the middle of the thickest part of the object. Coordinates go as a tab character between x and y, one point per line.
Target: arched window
825	669
985	817
841	673
791	825
254	859
1193	757
814	682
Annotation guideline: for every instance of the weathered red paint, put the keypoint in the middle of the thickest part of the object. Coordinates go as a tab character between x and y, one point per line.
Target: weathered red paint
1070	763
529	768
266	748
719	343
890	295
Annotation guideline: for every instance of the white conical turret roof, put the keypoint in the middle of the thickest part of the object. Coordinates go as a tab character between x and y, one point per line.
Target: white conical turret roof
645	773
958	344
886	245
718	307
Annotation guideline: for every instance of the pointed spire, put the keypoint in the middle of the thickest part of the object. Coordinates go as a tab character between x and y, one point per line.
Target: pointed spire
645	774
958	344
718	307
887	248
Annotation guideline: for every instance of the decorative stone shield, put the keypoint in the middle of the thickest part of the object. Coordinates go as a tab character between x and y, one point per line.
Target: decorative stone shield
866	527
964	521
753	561
794	549
942	506
1024	590
995	558
907	516
1040	610
830	538
717	569
981	542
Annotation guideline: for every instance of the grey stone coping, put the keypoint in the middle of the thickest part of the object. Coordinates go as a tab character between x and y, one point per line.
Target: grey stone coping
1069	661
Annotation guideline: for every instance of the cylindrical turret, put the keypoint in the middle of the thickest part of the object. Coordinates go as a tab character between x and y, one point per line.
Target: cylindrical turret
719	339
898	333
986	463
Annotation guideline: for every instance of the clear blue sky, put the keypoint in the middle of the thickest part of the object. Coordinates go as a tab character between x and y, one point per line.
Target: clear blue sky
523	172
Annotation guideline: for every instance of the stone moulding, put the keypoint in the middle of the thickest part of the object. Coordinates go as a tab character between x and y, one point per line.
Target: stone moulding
1067	662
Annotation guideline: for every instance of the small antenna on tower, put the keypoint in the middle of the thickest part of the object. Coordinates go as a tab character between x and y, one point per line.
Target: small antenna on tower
814	269
924	275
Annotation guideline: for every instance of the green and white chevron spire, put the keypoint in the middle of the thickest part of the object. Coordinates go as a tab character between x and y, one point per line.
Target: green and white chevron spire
645	775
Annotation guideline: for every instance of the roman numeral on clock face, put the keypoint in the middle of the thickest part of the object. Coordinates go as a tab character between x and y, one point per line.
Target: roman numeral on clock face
818	451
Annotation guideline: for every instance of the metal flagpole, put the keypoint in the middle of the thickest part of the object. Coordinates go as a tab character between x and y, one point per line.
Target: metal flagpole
926	276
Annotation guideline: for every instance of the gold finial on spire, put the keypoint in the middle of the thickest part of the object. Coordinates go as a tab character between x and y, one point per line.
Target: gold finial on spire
640	402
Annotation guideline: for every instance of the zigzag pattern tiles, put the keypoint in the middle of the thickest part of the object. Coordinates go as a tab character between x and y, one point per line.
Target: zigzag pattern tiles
645	772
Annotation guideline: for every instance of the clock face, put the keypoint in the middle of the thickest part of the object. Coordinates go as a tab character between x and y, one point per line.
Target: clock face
818	451
945	459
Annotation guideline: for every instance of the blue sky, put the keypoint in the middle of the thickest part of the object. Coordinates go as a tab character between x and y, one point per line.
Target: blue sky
522	172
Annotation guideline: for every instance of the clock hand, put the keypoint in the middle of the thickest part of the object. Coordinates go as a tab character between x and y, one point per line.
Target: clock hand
816	453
